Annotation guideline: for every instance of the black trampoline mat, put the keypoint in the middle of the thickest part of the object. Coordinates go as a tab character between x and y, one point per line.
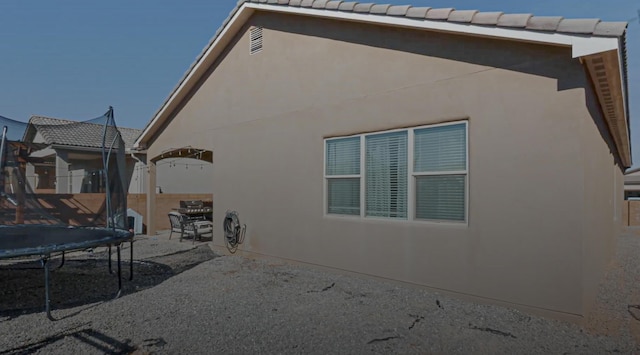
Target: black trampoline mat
23	240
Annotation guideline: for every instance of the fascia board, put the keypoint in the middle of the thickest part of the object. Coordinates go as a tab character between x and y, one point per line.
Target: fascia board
581	44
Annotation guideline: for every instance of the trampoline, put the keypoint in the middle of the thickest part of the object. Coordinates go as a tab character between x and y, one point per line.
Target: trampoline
31	227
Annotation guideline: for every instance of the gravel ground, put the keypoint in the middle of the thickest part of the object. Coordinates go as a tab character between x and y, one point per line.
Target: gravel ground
186	299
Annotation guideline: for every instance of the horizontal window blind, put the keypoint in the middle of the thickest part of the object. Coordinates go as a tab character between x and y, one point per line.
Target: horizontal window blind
438	178
386	175
343	156
343	159
344	196
442	148
440	197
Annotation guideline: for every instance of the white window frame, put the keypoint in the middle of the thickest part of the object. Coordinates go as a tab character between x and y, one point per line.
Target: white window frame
354	176
411	175
464	172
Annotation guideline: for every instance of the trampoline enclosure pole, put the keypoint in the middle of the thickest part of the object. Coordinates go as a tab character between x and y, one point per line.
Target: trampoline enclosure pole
119	272
110	271
2	162
4	138
131	261
47	300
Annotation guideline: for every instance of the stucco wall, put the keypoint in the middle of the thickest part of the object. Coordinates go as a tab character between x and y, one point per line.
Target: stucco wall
181	176
265	117
136	173
75	177
603	195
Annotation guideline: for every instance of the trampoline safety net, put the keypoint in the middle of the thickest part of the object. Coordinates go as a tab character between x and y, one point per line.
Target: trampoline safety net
33	169
39	214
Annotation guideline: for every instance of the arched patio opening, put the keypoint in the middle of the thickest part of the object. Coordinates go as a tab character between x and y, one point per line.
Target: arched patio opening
185	152
172	161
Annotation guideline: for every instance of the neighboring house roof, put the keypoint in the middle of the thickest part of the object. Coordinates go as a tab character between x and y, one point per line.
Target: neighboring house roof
631	171
632	177
592	40
72	133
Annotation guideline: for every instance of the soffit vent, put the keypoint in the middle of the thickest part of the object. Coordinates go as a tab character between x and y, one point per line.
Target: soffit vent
255	43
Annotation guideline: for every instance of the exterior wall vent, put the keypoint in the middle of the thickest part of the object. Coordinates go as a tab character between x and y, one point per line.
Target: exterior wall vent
255	43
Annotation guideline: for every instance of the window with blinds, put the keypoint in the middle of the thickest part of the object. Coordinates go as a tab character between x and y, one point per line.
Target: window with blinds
440	171
386	175
413	174
342	171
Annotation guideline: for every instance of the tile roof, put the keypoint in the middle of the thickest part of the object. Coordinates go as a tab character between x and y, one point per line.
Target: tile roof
522	22
593	27
529	22
79	134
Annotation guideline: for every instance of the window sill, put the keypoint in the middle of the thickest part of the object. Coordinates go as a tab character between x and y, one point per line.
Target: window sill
412	222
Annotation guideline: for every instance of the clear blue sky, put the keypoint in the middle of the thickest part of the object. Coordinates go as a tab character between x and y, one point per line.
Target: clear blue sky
74	58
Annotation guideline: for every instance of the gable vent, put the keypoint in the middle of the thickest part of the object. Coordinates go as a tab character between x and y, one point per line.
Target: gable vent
255	44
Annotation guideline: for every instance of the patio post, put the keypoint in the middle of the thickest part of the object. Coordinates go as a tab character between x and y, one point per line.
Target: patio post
151	197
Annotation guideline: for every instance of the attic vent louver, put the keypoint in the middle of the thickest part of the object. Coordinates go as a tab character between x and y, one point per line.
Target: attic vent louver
255	44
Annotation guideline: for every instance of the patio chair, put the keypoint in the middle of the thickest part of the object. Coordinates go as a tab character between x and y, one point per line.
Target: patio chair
186	227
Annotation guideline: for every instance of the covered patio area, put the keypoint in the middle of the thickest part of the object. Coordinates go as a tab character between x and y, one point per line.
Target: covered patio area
189	152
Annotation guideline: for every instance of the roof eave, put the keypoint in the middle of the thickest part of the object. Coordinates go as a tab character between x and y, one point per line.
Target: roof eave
76	148
194	73
607	74
581	44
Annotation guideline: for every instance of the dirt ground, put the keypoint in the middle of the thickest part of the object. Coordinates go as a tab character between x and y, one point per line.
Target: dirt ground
190	298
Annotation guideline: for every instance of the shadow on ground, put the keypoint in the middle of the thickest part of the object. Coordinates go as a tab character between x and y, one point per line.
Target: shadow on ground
85	279
96	339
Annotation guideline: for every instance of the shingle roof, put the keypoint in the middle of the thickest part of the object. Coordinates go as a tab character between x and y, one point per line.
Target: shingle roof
79	134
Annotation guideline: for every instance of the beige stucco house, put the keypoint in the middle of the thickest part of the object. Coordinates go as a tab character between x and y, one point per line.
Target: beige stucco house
632	184
72	160
479	154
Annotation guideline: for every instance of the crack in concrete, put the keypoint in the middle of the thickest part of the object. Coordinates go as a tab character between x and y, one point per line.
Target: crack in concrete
493	331
324	289
377	340
416	319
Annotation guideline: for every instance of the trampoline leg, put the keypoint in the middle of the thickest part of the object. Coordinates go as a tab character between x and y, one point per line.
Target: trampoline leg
47	300
131	262
62	262
119	272
110	271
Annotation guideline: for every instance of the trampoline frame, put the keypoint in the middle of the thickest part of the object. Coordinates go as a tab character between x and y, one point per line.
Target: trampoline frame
18	247
44	252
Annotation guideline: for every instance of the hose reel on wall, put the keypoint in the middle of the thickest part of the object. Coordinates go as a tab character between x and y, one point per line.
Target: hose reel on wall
233	231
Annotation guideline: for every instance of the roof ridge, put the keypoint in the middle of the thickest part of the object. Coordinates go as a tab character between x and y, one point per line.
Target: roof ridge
49	118
72	122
